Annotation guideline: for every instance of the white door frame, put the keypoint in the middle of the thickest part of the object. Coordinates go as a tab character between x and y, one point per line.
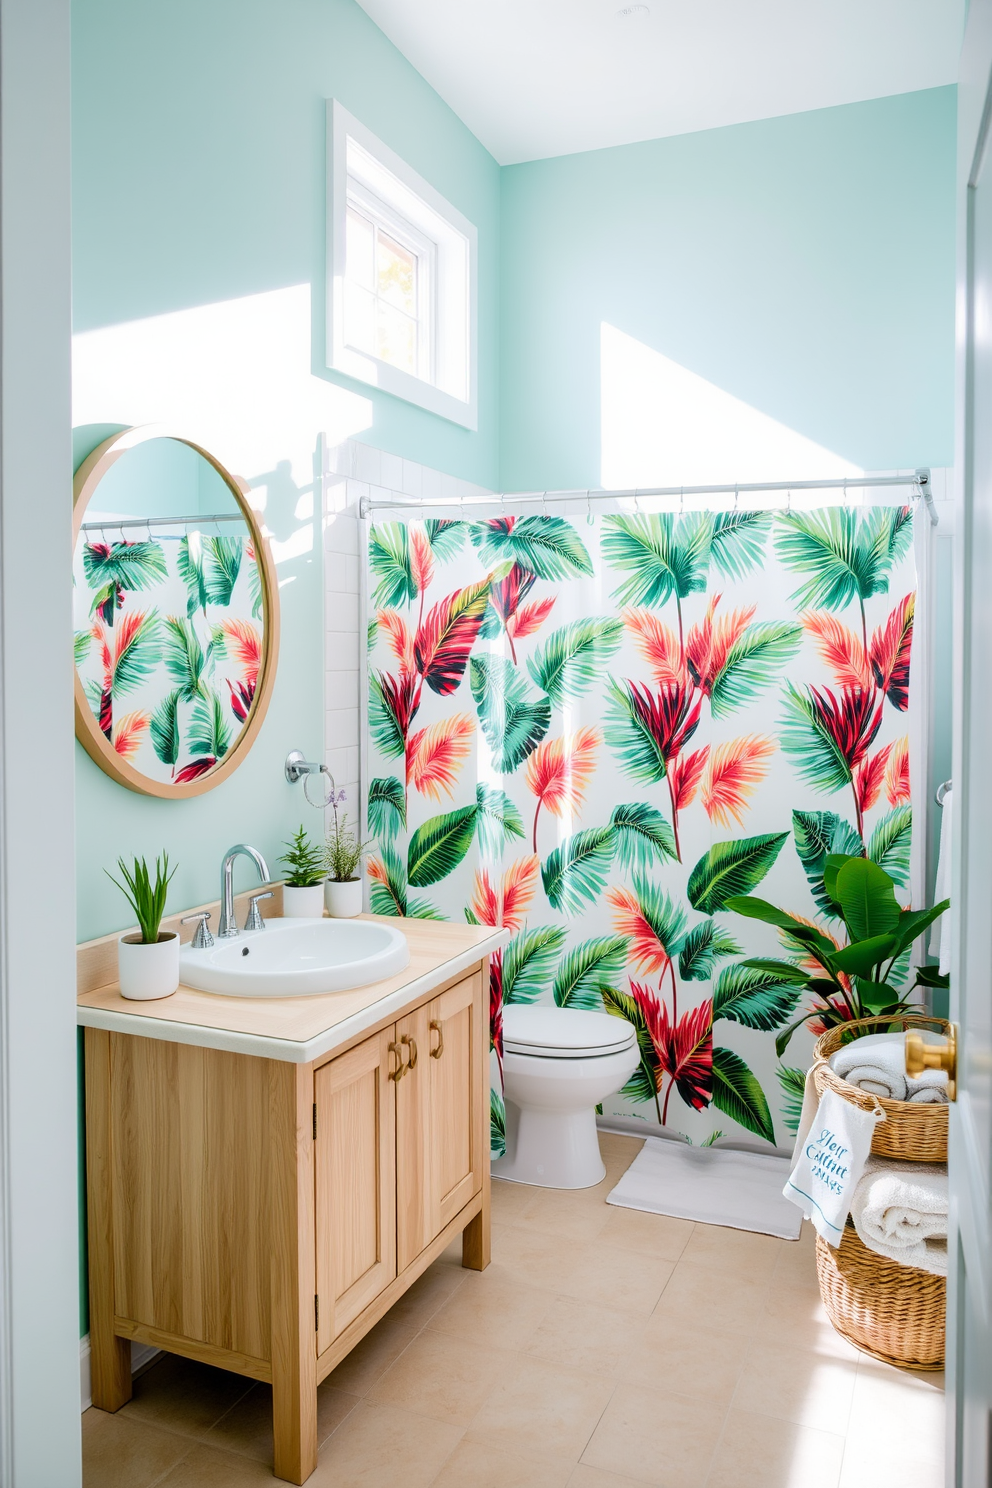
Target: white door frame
39	1286
969	1303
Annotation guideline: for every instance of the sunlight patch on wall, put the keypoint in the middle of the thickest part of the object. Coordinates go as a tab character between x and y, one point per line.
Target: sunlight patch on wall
662	425
236	377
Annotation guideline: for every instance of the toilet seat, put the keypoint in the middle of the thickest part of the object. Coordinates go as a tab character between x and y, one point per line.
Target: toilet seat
563	1033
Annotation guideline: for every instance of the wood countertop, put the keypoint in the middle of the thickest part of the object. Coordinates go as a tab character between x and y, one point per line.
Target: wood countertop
296	1029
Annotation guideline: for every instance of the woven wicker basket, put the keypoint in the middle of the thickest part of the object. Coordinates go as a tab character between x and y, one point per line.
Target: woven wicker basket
911	1131
894	1312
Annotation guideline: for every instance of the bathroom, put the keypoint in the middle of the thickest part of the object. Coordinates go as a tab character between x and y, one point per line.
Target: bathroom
710	267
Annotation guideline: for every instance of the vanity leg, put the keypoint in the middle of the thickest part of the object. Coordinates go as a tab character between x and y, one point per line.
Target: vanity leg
294	1344
476	1234
110	1356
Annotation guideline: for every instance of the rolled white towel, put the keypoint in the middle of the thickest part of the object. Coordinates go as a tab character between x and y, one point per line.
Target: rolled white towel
875	1063
886	1050
899	1210
875	1079
929	1089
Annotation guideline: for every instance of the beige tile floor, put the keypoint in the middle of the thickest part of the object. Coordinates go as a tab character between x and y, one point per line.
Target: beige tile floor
603	1348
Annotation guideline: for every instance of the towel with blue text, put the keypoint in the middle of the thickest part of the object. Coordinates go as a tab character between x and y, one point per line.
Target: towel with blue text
830	1155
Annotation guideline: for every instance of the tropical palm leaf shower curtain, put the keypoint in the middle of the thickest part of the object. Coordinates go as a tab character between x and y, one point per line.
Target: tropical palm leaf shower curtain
596	731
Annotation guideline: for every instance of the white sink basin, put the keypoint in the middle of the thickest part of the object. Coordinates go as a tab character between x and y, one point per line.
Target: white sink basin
297	958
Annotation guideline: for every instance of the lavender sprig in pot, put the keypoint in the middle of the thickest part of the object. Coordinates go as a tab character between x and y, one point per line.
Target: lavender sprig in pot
343	852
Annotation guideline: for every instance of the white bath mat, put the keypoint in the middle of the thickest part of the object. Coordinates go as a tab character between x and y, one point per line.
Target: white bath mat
742	1190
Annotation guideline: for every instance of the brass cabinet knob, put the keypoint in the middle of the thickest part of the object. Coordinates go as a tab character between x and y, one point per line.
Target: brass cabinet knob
436	1028
941	1055
411	1044
400	1070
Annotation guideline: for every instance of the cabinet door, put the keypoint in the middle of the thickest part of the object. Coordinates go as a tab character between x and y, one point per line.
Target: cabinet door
457	1103
440	1115
355	1176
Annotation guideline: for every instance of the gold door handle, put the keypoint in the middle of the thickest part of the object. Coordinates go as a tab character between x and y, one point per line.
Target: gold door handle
942	1055
436	1028
400	1070
412	1046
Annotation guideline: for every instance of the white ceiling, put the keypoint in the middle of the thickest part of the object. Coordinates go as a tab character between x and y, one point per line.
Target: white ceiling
534	78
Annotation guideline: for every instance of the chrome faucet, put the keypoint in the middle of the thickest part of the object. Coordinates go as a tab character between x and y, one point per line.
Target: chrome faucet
228	925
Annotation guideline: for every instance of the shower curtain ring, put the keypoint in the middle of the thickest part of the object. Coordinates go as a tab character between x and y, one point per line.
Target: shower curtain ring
681	501
589	507
544	502
737	498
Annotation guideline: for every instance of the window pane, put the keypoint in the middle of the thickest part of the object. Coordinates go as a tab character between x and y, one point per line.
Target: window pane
359	246
397	274
396	338
359	318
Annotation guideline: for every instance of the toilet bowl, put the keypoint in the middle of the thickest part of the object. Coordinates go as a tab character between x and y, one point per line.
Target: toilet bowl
558	1065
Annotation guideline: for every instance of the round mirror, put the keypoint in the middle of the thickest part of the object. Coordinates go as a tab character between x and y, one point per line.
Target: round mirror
175	614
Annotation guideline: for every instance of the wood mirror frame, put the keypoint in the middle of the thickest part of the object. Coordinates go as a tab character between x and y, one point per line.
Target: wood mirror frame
99	748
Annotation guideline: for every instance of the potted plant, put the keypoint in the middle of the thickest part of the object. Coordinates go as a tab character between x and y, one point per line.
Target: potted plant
852	980
303	890
342	858
147	961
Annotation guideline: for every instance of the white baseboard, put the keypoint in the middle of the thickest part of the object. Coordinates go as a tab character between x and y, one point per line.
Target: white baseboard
141	1354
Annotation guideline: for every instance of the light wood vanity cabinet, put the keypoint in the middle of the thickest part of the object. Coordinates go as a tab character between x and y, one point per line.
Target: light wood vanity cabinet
262	1215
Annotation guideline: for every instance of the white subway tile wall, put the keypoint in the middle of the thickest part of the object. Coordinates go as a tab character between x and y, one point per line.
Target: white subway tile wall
354	471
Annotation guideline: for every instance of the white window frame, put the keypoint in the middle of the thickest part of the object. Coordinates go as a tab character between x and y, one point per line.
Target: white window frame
359	164
382	216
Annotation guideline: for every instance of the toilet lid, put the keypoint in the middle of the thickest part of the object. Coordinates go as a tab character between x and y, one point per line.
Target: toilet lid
563	1033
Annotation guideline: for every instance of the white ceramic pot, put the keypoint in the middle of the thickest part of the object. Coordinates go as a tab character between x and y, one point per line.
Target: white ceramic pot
148	971
343	898
303	904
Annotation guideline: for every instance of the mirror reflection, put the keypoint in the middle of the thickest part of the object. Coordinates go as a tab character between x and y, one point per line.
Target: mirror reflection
168	615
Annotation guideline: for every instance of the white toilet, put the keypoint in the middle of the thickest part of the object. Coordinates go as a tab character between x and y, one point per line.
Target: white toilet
558	1064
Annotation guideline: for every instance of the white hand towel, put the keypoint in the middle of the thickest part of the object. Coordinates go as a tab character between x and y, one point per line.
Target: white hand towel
874	1079
929	1089
899	1210
940	933
875	1063
806	1116
830	1162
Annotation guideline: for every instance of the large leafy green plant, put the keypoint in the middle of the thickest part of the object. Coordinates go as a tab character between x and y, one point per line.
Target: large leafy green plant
856	980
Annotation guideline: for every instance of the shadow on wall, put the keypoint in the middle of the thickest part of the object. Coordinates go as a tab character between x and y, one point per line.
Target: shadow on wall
662	425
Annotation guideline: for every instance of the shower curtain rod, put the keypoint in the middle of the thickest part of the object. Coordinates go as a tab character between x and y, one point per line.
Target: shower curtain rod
118	526
919	481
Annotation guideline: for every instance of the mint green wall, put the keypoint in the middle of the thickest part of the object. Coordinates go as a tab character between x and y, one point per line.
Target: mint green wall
198	158
804	264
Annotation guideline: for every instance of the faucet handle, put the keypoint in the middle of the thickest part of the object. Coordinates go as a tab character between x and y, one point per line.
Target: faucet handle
202	939
254	920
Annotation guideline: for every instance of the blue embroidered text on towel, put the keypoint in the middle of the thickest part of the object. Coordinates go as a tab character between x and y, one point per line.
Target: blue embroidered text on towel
830	1162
